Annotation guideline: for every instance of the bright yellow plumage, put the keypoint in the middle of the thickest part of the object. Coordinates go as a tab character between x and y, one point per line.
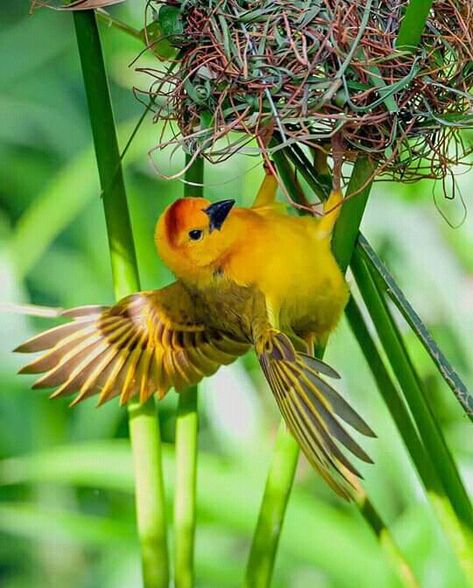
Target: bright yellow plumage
297	260
246	277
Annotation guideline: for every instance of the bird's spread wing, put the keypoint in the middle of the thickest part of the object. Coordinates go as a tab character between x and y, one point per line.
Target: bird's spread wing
146	343
313	410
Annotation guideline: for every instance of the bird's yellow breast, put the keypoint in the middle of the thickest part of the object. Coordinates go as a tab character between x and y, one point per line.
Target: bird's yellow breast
292	265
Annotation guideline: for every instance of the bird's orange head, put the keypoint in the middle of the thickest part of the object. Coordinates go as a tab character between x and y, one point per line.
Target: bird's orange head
193	236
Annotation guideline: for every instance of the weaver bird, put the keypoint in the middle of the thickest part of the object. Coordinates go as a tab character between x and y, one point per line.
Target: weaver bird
246	278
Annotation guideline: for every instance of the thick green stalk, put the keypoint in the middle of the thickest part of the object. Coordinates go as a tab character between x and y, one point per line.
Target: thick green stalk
348	223
144	432
150	508
187	424
272	511
122	249
429	431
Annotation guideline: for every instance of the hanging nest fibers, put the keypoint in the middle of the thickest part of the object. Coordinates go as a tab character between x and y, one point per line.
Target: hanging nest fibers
305	70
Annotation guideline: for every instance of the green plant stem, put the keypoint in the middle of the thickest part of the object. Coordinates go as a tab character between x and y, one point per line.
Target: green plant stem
388	285
150	509
110	21
429	431
387	543
348	223
120	237
187	424
145	441
273	508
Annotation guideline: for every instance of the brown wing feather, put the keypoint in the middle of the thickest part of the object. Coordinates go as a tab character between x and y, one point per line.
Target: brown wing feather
147	343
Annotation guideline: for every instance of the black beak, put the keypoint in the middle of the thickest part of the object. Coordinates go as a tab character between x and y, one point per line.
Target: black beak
218	212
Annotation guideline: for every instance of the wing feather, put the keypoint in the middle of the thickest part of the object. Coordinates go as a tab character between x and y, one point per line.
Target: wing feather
147	343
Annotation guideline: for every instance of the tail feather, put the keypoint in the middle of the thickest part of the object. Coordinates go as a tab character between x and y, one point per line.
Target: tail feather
319	449
340	406
312	410
306	415
321	410
319	452
319	366
311	418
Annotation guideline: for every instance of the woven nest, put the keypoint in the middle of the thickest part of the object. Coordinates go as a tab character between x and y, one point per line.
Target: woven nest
306	70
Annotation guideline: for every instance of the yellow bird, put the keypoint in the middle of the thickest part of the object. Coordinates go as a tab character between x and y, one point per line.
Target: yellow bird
246	277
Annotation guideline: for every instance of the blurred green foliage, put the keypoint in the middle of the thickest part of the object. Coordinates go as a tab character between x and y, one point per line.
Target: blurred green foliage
66	507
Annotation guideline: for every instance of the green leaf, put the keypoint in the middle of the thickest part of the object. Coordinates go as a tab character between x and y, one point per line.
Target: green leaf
160	44
413	24
169	20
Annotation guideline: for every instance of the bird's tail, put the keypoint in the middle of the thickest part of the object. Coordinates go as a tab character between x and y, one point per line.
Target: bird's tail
313	410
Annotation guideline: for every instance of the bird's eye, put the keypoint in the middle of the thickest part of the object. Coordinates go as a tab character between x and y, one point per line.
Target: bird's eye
195	234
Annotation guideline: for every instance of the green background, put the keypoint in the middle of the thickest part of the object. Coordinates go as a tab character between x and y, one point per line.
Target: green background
66	504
